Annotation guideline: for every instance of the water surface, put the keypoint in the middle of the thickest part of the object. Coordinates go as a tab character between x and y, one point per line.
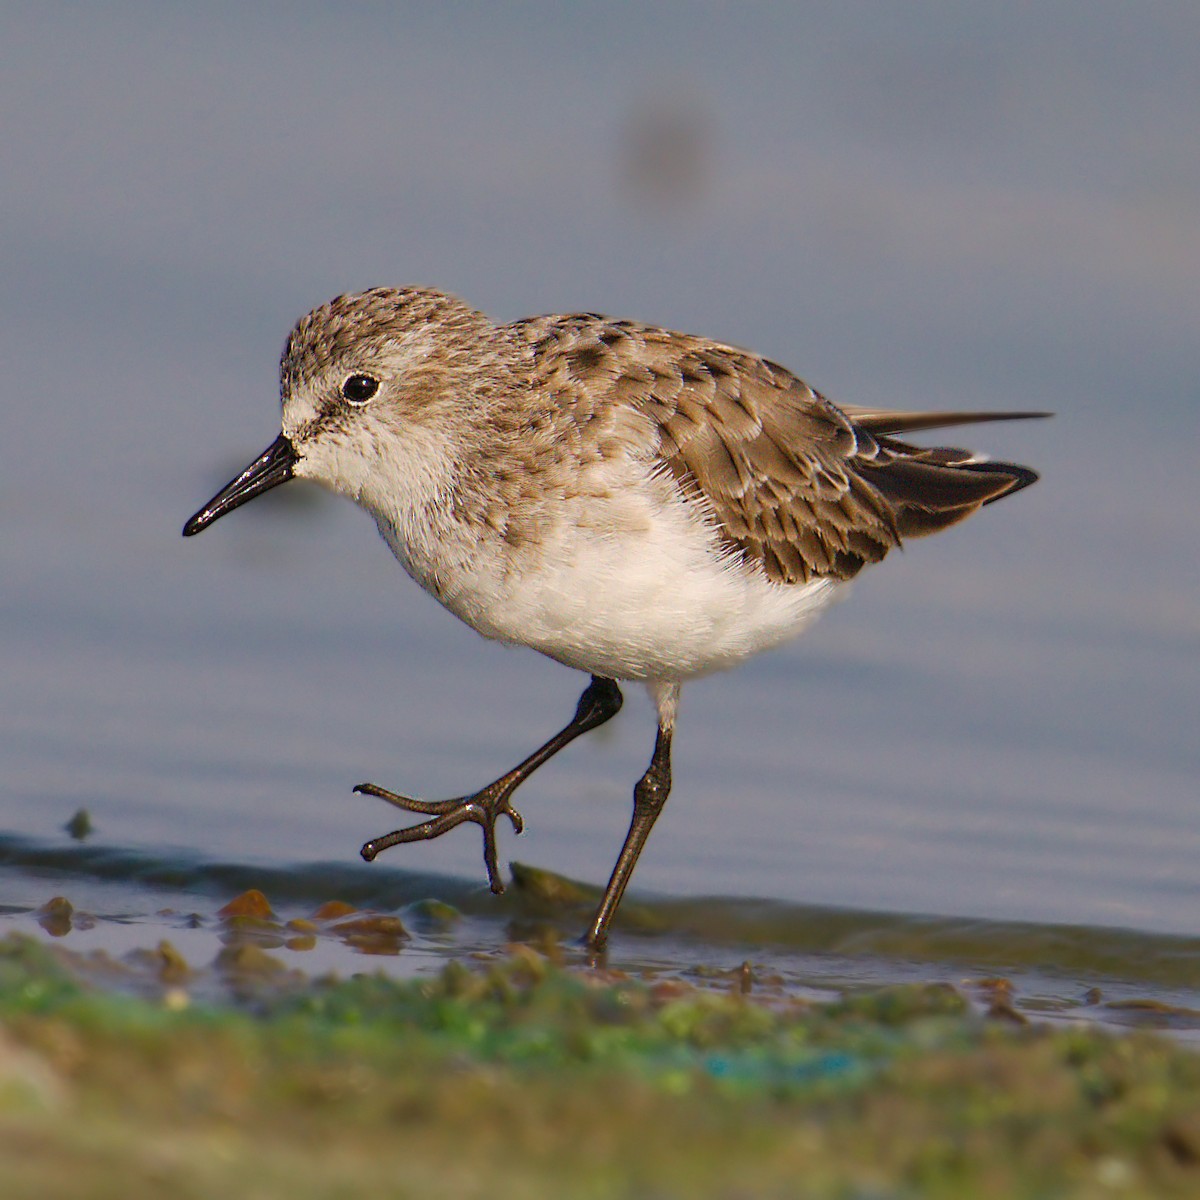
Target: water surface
998	724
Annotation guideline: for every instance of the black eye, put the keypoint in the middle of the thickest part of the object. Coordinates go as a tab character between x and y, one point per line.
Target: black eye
358	389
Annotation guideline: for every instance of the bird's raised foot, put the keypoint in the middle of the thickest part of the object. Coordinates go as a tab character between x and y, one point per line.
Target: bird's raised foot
483	808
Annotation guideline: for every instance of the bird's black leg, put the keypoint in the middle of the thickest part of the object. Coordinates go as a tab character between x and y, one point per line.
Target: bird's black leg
600	702
649	797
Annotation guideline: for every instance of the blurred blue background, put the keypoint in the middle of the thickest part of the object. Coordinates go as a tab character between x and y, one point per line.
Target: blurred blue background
920	205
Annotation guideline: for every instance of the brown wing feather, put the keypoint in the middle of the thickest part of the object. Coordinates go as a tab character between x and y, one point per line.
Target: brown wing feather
795	484
885	421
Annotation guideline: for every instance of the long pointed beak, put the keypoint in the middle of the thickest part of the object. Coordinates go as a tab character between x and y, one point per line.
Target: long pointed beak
271	468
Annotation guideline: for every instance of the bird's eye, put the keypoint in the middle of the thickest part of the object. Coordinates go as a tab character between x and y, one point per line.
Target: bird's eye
358	389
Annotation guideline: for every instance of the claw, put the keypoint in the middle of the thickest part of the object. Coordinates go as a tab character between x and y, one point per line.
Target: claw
483	809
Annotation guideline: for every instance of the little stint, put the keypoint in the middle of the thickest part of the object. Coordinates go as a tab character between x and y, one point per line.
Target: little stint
639	504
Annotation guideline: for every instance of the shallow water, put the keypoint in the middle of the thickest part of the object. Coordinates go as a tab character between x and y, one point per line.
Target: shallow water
998	724
932	746
118	908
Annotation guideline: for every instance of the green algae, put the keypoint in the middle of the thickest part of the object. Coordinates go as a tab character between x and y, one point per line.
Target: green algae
518	1077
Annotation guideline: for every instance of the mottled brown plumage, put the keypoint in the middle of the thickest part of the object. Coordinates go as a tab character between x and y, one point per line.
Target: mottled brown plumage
798	487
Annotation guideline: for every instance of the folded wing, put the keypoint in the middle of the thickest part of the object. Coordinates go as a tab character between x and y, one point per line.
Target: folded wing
794	484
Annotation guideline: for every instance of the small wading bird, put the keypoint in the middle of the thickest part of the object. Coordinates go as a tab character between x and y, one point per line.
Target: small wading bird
633	502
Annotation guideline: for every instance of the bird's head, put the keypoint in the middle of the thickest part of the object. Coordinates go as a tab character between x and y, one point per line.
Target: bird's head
373	388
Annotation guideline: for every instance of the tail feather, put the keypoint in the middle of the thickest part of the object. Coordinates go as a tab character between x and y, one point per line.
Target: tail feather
1021	477
928	489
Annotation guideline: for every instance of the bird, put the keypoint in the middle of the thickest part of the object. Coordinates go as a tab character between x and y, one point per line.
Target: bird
639	504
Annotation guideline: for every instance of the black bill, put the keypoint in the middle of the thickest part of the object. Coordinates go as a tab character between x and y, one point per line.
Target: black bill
271	468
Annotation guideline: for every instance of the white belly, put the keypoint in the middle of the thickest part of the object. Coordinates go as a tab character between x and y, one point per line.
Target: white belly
637	592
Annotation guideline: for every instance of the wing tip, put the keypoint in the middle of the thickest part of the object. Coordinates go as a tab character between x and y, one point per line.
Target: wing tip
885	421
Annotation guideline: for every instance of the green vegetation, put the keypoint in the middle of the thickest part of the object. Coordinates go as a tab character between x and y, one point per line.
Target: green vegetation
516	1077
